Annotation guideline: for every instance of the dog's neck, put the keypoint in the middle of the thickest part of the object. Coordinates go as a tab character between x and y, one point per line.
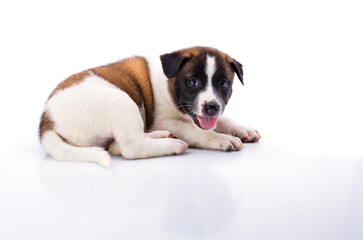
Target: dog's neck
164	105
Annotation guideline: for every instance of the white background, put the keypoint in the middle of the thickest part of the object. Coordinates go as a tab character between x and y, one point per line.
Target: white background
303	64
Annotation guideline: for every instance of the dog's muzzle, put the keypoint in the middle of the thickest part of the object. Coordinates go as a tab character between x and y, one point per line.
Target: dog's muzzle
209	117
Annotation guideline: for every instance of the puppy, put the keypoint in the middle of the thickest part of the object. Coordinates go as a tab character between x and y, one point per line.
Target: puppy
145	107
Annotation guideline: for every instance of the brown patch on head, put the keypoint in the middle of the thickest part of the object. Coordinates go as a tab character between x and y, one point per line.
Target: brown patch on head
132	76
221	57
70	81
46	124
175	61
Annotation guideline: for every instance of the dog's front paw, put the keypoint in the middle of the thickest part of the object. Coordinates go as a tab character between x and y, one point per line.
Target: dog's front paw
246	134
227	143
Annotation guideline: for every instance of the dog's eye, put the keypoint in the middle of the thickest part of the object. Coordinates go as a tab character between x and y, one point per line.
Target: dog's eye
224	84
193	82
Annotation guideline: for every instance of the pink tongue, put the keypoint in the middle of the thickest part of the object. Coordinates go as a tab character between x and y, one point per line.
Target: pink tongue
207	122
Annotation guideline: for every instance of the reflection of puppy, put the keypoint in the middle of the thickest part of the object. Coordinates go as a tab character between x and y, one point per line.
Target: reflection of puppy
133	108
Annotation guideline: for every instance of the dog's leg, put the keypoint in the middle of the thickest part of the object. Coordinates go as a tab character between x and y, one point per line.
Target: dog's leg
246	134
132	142
114	147
160	134
199	138
147	147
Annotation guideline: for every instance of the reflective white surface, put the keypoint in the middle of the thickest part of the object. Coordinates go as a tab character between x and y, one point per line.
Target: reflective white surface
259	193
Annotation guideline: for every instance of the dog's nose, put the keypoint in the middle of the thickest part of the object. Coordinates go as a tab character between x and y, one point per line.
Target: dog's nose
211	108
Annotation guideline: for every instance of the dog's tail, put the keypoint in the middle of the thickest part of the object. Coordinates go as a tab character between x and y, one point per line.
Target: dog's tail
63	151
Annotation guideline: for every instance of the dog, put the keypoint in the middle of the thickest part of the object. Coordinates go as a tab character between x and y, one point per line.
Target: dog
143	107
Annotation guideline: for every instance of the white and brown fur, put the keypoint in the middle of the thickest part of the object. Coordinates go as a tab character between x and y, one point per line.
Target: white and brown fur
144	107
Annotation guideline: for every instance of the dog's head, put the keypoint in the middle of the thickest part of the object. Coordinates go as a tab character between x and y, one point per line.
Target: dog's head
200	82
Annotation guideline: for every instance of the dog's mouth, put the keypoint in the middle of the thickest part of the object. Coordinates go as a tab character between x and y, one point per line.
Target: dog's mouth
206	123
203	122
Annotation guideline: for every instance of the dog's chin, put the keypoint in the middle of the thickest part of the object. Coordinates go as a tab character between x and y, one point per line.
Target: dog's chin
205	123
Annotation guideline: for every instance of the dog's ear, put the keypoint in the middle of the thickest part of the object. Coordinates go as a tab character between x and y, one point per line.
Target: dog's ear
172	63
237	68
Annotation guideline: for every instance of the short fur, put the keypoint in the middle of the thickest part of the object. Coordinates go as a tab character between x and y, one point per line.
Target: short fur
136	107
